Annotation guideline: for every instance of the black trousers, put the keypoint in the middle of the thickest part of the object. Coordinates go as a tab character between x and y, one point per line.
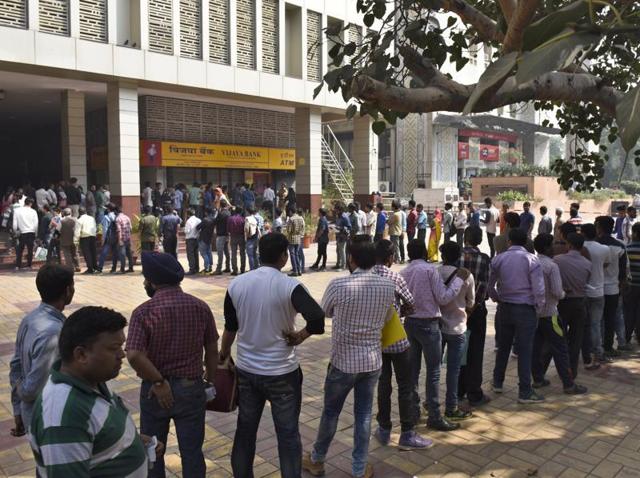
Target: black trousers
490	238
460	237
401	245
89	252
550	342
192	255
322	254
573	313
470	378
609	319
400	364
25	240
422	235
170	246
632	312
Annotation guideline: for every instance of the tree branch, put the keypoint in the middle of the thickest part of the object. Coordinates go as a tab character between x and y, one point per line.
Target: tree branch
507	7
486	27
520	20
560	87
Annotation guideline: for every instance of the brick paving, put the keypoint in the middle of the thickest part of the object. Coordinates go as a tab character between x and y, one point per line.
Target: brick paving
596	435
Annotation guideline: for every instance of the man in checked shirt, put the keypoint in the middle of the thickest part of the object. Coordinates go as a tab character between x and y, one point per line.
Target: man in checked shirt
396	357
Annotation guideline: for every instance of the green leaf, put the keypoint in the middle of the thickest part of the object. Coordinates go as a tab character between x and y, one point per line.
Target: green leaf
351	111
451	21
547	27
494	74
628	118
368	19
379	9
317	90
350	49
378	127
554	55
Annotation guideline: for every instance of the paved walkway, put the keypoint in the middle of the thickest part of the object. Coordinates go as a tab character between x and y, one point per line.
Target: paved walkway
596	435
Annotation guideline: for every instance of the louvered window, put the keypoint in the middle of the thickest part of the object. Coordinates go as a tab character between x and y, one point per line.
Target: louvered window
160	27
13	13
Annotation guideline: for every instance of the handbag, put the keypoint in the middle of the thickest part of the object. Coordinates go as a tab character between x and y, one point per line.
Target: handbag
41	254
393	330
226	383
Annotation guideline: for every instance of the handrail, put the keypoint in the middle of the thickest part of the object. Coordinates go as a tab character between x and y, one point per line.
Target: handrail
329	132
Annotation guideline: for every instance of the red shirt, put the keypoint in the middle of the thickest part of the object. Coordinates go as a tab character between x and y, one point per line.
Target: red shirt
412	219
172	328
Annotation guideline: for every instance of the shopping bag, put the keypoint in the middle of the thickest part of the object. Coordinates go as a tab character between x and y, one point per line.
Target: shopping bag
226	383
41	254
393	330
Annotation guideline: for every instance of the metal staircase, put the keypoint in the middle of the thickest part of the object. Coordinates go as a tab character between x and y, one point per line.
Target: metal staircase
337	164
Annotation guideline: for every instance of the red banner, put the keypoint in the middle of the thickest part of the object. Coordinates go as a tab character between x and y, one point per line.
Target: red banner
489	152
463	151
473	133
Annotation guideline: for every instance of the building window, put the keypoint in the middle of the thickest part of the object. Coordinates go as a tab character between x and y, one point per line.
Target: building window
160	27
219	31
270	37
54	16
335	25
488	55
314	46
93	20
293	41
246	24
13	13
355	34
190	29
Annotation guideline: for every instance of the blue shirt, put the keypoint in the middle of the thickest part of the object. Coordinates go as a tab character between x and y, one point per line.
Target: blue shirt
526	221
474	219
343	224
36	351
260	221
177	199
323	230
618	228
248	197
381	222
423	220
169	225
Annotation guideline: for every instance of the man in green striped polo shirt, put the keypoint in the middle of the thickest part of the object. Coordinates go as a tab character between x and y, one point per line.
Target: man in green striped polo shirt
79	428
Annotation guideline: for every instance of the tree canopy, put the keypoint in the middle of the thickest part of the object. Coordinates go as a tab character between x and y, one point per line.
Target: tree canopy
578	59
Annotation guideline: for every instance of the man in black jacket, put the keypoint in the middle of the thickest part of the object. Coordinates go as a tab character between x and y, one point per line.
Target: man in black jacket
222	238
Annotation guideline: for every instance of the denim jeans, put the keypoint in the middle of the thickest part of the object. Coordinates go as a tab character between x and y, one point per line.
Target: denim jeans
519	321
400	363
455	348
192	255
222	246
295	258
595	311
341	252
619	325
337	387
124	251
284	393
425	339
207	257
252	252
188	414
238	246
106	249
301	257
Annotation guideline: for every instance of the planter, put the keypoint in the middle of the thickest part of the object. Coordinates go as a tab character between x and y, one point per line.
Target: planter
306	241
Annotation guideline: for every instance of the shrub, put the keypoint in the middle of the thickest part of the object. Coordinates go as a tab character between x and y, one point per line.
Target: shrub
599	195
512	196
630	187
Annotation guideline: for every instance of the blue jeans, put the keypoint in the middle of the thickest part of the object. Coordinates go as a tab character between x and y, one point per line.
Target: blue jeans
455	348
188	413
620	328
252	252
426	340
341	252
519	321
207	256
294	255
284	393
595	312
337	386
222	246
124	251
301	257
106	248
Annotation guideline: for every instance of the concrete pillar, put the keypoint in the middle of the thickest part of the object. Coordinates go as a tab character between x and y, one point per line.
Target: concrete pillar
123	141
74	148
309	158
365	159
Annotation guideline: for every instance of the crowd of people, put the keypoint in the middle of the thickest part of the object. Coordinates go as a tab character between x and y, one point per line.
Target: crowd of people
567	293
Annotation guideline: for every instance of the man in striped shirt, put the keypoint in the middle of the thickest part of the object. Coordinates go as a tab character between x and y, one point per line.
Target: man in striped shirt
632	294
80	428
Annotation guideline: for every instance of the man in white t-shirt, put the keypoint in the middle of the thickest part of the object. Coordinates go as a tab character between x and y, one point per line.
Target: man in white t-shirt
592	351
267	365
490	221
147	195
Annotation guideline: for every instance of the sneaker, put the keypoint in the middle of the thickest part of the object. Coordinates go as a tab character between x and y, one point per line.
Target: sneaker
368	472
442	425
533	397
575	390
478	403
544	383
496	388
457	415
383	436
314	469
217	273
625	347
313	267
411	440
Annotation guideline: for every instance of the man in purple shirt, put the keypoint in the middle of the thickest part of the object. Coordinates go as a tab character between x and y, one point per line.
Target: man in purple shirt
516	283
423	327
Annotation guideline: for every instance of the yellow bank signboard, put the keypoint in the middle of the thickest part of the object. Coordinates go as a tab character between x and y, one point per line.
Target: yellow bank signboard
172	154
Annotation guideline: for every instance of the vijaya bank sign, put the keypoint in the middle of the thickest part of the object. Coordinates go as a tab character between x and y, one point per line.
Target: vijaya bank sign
171	154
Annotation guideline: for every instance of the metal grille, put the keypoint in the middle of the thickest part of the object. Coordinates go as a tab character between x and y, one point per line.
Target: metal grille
246	18
13	13
219	31
54	16
93	20
270	29
184	120
160	28
190	29
314	46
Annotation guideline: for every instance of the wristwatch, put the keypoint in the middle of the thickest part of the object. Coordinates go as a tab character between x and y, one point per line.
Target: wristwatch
157	383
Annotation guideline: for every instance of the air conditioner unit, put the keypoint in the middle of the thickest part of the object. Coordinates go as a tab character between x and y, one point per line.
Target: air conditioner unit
383	186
